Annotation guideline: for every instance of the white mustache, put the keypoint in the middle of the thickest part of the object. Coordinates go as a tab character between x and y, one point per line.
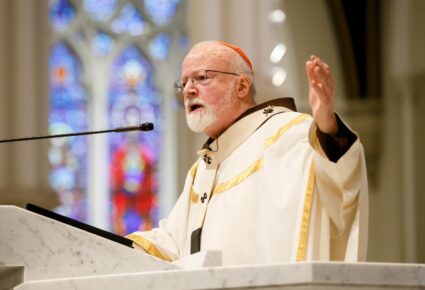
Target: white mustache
190	102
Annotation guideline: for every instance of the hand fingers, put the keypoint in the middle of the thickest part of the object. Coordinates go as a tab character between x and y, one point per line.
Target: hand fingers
320	72
316	69
323	69
320	82
315	61
324	79
321	63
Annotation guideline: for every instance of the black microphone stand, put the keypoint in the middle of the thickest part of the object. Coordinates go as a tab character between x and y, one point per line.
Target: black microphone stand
141	127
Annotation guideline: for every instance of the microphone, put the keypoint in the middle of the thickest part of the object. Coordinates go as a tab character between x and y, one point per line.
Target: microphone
141	127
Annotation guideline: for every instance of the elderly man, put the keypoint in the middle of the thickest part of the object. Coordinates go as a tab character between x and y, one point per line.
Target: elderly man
270	184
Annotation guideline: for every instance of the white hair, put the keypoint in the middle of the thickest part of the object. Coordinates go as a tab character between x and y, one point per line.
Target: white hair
241	67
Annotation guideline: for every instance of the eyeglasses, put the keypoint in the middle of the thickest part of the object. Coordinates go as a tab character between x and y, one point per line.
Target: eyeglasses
197	77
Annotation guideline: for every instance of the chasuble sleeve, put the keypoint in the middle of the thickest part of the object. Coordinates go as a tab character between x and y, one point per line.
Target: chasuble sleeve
336	147
339	183
167	240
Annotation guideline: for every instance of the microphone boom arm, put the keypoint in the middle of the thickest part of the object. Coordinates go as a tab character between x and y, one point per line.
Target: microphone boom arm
141	127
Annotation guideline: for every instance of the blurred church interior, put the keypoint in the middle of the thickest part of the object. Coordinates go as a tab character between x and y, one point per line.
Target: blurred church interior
80	65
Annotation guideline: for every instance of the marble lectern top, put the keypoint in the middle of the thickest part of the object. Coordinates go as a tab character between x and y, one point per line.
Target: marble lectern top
49	249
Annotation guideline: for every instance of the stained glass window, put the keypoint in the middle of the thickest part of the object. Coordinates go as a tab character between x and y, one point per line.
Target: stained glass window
134	156
102	44
160	46
61	14
68	114
100	9
130	21
161	11
103	72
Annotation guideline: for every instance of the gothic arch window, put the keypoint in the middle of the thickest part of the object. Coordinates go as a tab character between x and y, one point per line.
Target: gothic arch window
105	61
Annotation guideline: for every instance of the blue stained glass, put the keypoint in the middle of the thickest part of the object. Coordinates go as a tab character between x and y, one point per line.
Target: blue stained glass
102	44
62	179
68	113
132	220
100	9
132	99
130	21
61	14
64	79
161	11
130	68
160	46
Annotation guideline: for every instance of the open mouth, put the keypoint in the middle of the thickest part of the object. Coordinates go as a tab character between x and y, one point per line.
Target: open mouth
195	107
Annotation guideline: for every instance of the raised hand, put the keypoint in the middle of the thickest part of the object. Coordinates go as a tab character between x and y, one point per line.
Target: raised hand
321	95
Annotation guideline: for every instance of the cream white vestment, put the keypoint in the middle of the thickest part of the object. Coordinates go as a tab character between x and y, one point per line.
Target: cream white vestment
265	192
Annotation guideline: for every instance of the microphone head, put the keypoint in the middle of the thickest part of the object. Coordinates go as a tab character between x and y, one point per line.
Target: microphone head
147	126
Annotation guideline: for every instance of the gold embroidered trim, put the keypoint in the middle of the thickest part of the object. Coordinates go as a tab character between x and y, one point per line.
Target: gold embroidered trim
148	246
257	165
302	243
269	141
193	169
194	197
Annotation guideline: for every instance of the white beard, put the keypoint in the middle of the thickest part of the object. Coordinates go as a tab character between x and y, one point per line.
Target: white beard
202	118
199	120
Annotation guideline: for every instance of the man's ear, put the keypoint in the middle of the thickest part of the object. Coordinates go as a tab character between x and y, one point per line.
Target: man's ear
244	86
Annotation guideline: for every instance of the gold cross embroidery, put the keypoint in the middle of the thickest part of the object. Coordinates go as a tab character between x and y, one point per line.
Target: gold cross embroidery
268	110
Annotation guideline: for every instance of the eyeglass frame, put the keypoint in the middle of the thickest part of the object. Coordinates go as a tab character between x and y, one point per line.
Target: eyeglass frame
178	87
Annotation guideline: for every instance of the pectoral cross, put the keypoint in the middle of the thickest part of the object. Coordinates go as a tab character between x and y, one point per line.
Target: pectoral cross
207	158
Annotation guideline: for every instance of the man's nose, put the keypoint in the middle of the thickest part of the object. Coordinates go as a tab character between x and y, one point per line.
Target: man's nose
190	88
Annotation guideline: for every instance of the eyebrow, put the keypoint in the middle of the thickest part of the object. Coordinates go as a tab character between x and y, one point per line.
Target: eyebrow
187	75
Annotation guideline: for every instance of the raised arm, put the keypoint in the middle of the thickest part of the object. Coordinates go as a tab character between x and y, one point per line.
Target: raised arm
322	95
